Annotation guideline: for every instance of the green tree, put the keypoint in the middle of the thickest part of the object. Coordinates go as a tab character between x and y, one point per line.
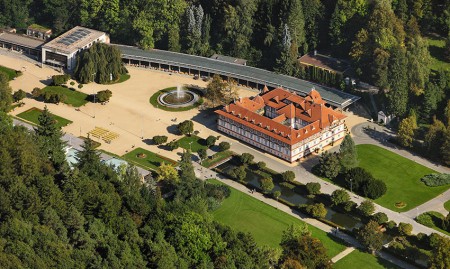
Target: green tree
167	173
348	156
19	95
404	228
186	167
238	173
104	96
313	11
88	159
366	208
441	254
276	194
5	93
313	188
397	79
406	131
50	136
159	139
202	153
434	138
370	236
246	158
329	165
317	210
173	145
288	176
186	127
380	218
224	146
266	184
210	141
374	188
339	197
445	148
260	165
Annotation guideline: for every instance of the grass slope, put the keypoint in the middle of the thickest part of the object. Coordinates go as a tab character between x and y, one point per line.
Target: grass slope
244	213
74	98
401	175
151	161
358	259
447	205
33	114
8	71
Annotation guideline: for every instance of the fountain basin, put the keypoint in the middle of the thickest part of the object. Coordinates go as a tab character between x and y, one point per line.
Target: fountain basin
178	98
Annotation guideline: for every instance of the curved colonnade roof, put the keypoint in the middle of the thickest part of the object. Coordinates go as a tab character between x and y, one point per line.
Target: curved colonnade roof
332	96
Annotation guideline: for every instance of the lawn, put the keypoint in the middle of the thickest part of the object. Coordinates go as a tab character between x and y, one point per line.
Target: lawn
436	47
32	115
358	259
8	71
219	156
402	177
437	218
122	78
151	160
74	98
447	205
197	143
265	223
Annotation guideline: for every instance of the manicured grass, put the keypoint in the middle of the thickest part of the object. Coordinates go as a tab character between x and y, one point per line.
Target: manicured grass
401	175
151	160
447	205
358	259
436	47
8	71
219	156
244	213
197	143
122	78
74	98
154	100
33	114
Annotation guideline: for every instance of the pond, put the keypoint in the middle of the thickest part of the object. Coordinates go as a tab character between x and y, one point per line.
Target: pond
291	196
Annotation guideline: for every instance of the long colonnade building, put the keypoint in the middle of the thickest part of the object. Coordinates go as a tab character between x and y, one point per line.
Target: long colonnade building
283	123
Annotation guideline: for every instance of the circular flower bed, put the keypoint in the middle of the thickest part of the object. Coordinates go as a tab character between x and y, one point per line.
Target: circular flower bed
400	204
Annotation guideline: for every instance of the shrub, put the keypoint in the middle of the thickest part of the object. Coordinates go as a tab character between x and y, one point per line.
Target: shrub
276	194
288	176
104	96
173	145
391	225
210	141
19	95
374	188
60	79
425	219
37	92
356	177
202	154
313	188
260	165
404	228
317	210
246	158
80	86
339	197
433	180
224	146
366	208
380	217
159	139
266	184
72	83
218	192
238	173
349	206
186	127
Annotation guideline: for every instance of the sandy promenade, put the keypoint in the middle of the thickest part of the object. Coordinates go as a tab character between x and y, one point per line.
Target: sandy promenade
129	112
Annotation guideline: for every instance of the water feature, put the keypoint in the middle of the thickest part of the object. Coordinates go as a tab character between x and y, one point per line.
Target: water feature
293	197
178	97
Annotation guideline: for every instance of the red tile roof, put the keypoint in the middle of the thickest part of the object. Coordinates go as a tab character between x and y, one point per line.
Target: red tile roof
310	109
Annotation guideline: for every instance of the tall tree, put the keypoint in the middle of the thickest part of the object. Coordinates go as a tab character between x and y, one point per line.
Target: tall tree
5	93
50	135
398	84
406	131
370	236
313	12
434	138
186	167
348	155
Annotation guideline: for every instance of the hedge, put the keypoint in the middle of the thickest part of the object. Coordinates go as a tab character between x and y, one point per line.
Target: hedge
434	180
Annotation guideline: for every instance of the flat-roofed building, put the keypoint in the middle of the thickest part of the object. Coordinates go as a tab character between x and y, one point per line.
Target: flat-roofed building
21	43
63	50
283	123
38	31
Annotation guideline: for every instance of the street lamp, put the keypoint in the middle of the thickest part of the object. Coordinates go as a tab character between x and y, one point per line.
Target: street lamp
351	185
190	143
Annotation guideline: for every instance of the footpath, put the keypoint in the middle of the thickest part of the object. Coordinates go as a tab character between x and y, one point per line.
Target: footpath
205	173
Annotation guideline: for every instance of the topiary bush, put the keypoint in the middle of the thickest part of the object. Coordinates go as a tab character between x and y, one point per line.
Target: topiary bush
224	146
434	180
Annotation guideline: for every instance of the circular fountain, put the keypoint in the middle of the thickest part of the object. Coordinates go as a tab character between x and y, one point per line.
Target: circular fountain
178	97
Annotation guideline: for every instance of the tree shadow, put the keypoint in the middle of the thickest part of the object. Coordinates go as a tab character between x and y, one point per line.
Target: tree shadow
148	141
172	129
437	52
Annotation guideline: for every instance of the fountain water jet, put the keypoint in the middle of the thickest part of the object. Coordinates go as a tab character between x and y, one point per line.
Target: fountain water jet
178	97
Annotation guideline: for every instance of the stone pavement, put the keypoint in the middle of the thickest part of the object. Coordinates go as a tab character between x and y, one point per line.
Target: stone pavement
342	254
205	173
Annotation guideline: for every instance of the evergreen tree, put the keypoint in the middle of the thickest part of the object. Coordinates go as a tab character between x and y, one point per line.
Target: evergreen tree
329	165
434	139
186	167
313	11
49	136
5	93
348	155
398	92
88	159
